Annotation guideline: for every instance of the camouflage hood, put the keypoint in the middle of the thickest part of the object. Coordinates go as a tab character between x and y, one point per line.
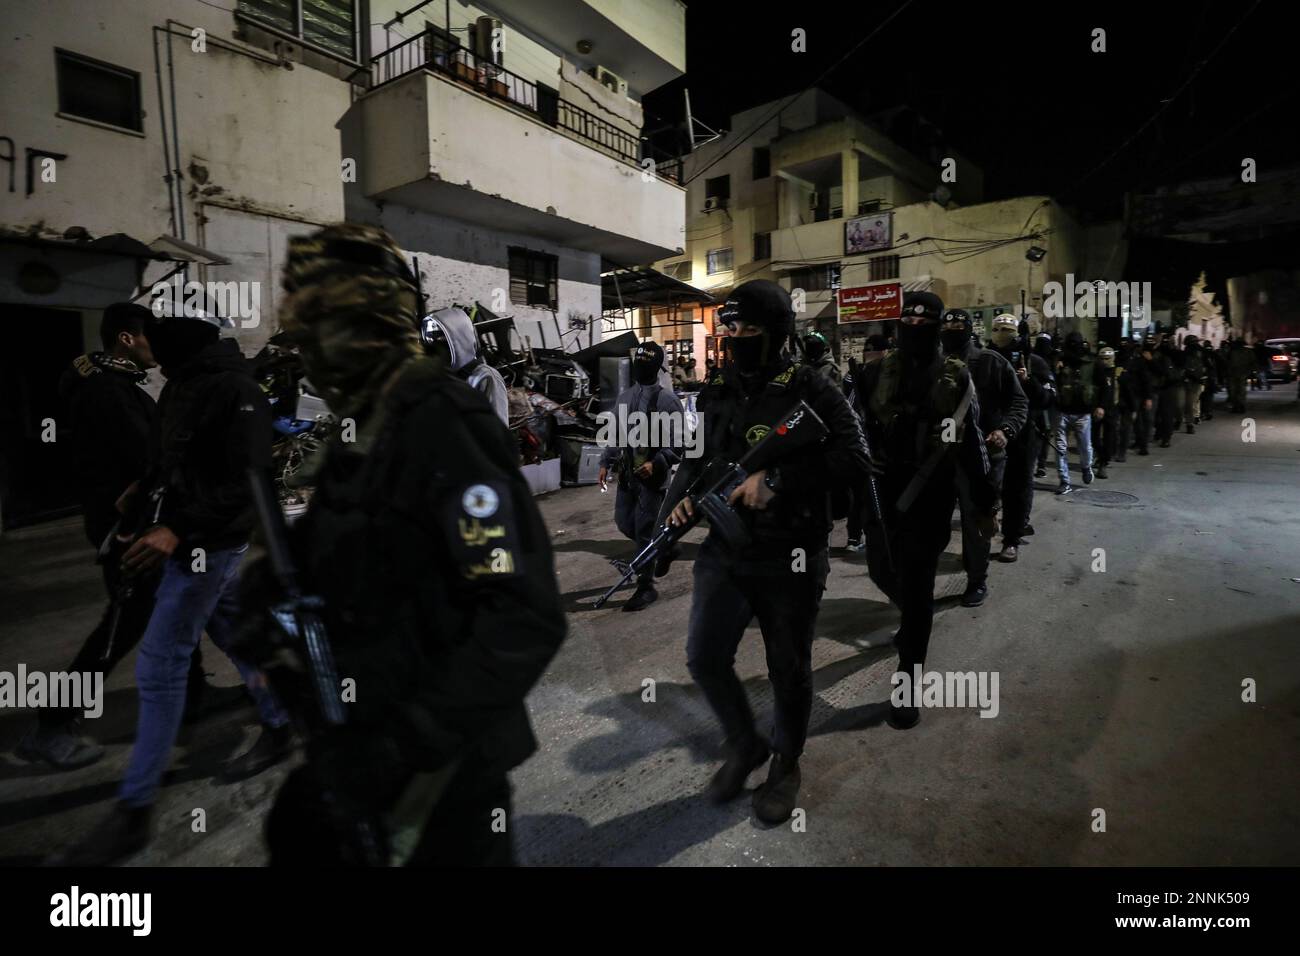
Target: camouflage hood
351	308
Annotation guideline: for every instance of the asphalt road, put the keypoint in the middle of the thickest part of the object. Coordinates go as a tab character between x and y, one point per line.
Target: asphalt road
1119	690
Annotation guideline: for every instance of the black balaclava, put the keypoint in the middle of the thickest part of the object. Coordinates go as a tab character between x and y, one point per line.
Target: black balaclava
647	363
176	341
1074	349
955	342
764	304
814	346
920	341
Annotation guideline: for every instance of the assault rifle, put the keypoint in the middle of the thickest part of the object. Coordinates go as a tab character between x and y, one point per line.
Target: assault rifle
798	429
297	616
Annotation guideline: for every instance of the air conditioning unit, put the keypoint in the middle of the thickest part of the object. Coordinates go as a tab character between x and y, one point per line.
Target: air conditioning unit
611	80
714	203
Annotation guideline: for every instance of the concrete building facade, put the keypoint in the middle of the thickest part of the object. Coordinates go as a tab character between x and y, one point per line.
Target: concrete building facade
798	199
500	144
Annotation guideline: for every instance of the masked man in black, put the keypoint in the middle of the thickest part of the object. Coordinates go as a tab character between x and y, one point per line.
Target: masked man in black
1004	415
1022	451
780	574
922	413
644	456
436	575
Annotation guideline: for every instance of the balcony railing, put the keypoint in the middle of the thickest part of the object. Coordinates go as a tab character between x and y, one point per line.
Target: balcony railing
433	50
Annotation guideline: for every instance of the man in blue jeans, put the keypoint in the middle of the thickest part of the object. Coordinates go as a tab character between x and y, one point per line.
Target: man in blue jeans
1079	381
196	515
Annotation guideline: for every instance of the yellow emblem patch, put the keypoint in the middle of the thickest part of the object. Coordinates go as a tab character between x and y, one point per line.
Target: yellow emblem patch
756	434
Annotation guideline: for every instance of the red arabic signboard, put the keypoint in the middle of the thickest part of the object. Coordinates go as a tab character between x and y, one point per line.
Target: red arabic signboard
871	303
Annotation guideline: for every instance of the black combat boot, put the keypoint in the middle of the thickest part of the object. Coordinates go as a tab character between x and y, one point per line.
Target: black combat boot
644	595
774	801
903	718
741	761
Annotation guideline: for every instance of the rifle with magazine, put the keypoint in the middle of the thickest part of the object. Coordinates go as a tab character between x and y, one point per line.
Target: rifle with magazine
797	430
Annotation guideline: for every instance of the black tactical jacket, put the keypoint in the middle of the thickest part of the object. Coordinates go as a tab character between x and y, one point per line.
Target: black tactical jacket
213	425
800	514
437	577
896	443
1003	405
112	417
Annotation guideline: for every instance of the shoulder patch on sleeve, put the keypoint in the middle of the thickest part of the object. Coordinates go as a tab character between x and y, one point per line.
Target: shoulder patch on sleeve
478	521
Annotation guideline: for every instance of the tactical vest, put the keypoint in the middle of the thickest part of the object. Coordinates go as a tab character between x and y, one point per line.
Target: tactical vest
945	396
1077	387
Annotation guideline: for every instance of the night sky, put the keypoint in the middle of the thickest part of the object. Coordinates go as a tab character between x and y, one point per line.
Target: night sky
1016	88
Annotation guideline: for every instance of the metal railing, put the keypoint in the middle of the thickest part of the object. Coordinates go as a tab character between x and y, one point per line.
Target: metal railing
433	50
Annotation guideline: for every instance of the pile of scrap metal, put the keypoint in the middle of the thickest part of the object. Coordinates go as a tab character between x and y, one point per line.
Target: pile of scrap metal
551	398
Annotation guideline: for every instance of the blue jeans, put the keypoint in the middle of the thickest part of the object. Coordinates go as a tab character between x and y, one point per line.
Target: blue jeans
1081	425
187	603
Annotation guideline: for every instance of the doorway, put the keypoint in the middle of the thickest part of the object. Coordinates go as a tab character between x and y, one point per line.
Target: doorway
36	476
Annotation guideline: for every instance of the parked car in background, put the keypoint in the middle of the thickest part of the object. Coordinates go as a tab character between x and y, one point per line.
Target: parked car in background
1290	348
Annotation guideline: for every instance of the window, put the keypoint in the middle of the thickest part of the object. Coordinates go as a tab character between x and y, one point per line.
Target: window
681	271
328	24
533	278
719	187
98	91
718	260
883	267
762	246
816	278
762	162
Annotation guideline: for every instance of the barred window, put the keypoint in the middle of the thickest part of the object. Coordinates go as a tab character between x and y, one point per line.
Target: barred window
816	278
883	267
534	278
329	24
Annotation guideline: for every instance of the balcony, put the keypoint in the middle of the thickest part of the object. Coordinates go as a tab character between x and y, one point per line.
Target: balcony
444	131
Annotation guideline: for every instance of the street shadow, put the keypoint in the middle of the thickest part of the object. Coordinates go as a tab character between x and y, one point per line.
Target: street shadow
679	717
651	836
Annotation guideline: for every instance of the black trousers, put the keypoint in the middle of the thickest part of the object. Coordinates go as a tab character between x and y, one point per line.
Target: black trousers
785	602
974	546
133	618
1018	485
636	510
916	540
1103	437
1207	402
1165	412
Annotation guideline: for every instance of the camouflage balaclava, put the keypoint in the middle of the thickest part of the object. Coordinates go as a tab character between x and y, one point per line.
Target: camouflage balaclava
351	308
